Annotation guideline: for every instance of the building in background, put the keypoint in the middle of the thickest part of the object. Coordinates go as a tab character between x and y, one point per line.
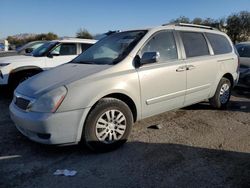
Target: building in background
4	45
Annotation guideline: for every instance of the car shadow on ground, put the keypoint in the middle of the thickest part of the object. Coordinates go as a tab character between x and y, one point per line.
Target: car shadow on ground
234	105
241	92
137	164
240	106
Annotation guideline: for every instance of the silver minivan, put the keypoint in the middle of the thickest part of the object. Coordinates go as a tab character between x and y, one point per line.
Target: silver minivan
123	78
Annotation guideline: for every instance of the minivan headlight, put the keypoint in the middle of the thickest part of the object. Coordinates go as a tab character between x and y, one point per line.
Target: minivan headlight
49	102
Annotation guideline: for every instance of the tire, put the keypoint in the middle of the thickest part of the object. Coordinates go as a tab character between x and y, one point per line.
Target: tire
222	94
98	128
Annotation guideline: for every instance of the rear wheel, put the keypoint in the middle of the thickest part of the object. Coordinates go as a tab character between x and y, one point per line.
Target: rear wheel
222	94
108	125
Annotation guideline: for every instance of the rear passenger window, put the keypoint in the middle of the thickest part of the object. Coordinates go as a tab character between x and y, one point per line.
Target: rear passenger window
85	46
219	43
164	43
195	44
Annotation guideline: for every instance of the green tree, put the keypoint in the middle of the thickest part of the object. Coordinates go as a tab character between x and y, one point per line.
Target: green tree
197	21
181	19
46	36
209	22
238	26
84	34
219	23
21	41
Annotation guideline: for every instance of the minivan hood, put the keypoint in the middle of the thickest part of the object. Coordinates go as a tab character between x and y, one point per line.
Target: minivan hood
16	59
56	77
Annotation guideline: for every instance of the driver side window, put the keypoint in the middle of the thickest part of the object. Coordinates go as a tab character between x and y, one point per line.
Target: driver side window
164	43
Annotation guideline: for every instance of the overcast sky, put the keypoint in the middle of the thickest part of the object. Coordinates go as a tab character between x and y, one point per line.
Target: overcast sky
65	17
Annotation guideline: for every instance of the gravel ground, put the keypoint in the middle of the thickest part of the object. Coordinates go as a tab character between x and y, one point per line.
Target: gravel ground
195	147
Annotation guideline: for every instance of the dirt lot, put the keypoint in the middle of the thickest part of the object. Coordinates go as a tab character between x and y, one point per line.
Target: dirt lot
196	147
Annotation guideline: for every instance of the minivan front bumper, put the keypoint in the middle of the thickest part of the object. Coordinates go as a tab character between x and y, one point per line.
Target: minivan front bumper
48	128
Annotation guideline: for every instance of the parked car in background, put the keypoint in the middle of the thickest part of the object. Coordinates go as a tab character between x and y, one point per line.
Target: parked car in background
244	53
125	77
16	69
24	50
29	47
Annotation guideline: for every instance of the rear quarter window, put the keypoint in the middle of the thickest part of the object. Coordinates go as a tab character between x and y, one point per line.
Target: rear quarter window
219	43
195	44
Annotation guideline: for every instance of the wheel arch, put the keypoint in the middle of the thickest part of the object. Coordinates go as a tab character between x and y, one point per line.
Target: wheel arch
219	77
23	69
229	77
126	99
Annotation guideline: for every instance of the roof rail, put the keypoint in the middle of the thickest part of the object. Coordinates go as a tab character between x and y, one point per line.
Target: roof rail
190	25
73	38
195	25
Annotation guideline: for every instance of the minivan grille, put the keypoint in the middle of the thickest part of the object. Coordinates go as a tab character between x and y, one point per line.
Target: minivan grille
22	103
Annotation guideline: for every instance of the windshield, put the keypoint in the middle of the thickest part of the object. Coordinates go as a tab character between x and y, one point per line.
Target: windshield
33	45
42	50
112	49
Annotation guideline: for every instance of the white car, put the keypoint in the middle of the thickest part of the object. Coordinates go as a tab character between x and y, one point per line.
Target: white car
15	69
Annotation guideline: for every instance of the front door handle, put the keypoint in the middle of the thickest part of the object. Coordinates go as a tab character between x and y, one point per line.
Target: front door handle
181	69
190	67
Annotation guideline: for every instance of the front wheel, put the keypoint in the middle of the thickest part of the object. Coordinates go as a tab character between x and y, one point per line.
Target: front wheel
222	94
108	125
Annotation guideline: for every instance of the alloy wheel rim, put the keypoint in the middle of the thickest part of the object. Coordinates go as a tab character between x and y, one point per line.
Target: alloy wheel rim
224	93
111	126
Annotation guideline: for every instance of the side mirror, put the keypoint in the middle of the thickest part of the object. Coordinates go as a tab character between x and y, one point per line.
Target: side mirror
52	54
150	57
28	50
